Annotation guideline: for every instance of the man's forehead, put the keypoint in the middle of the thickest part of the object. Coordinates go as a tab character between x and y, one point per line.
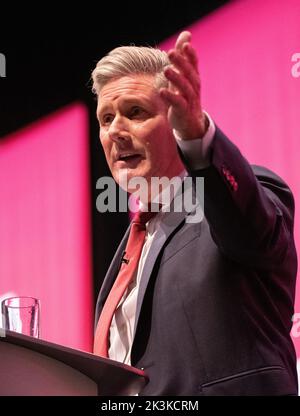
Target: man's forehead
123	100
134	84
127	90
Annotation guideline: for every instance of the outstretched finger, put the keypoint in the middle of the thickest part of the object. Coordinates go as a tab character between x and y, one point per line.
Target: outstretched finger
181	84
184	66
173	99
190	54
184	37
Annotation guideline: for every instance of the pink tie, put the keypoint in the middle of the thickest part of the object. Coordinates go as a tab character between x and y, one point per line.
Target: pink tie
128	268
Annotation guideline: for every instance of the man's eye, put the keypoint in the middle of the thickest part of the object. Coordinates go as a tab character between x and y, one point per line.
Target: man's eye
136	111
107	119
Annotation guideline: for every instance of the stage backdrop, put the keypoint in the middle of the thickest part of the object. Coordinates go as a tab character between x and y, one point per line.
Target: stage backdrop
251	87
45	233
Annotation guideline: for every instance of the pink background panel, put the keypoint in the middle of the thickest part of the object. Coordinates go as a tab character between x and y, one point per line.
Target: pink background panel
45	233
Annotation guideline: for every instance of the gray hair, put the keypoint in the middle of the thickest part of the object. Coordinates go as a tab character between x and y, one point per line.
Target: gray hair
127	60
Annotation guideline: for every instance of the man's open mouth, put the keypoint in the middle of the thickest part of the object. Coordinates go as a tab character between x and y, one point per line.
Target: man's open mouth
129	157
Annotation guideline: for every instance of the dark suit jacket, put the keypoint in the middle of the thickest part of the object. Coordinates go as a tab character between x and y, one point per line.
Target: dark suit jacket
216	298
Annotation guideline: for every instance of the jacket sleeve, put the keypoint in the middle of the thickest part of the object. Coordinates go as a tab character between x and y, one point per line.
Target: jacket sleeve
250	210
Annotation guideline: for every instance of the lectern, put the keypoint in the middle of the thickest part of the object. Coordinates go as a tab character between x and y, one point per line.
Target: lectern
34	367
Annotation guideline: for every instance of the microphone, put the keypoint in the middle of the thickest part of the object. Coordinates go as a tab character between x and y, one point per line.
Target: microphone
123	260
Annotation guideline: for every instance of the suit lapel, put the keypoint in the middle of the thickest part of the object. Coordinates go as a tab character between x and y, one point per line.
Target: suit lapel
171	221
111	274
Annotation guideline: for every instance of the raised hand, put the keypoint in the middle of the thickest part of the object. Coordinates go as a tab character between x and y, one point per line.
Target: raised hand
183	93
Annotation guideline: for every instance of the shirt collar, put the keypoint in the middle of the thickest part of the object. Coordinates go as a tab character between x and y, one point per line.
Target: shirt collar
166	196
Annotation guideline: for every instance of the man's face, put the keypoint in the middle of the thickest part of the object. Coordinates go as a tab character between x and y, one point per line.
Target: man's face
134	130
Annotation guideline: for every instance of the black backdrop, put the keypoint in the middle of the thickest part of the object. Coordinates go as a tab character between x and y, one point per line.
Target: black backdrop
50	53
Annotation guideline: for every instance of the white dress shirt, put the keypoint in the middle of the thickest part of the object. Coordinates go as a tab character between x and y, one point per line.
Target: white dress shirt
196	152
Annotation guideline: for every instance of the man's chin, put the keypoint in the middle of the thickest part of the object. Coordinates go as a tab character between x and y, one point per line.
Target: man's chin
131	180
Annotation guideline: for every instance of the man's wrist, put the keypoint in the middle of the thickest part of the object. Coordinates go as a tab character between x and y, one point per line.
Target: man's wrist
197	151
196	133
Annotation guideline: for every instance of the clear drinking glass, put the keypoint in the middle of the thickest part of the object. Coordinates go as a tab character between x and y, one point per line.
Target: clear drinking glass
22	314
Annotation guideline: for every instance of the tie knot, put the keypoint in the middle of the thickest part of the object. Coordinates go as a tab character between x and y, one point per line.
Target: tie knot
142	217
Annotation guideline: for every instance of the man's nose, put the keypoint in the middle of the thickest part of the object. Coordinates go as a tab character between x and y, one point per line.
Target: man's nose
118	129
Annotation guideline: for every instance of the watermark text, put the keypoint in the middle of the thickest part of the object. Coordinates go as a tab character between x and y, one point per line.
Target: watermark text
164	194
295	70
2	66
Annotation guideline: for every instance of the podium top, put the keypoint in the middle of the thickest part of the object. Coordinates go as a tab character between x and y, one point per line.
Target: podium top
112	377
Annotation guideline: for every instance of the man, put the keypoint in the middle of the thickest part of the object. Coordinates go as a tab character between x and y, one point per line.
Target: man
208	309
